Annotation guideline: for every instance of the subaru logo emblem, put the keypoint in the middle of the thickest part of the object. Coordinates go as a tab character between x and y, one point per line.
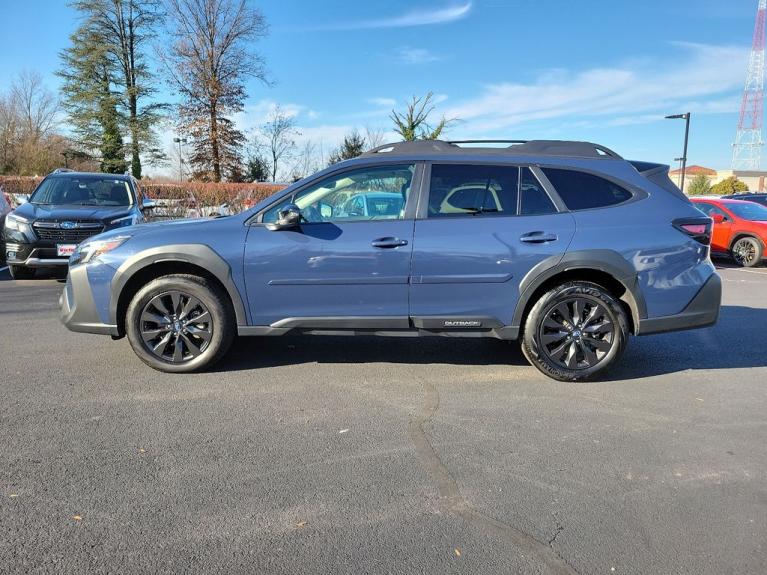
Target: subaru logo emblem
68	225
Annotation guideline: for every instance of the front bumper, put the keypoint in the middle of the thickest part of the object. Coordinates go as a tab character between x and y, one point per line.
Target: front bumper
34	257
702	311
78	308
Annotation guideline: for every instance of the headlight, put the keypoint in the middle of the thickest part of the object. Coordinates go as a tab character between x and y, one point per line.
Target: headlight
87	251
124	221
17	223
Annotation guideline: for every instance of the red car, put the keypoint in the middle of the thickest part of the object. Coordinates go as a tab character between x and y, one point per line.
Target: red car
740	228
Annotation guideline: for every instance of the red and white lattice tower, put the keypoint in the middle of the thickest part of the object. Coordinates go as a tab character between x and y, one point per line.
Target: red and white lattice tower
747	149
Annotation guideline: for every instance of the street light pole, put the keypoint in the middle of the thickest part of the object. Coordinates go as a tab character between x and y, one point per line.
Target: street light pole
179	141
686	118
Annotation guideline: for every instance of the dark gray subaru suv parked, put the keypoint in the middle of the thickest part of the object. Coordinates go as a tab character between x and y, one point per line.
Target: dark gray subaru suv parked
65	209
565	246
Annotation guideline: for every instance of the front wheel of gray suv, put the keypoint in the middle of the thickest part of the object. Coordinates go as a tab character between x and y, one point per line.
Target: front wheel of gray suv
180	323
575	331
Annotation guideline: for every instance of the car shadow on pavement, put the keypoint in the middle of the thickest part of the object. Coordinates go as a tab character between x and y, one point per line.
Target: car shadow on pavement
723	346
738	340
262	352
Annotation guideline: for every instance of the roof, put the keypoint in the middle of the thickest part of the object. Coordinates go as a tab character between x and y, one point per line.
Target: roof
514	147
694	171
72	174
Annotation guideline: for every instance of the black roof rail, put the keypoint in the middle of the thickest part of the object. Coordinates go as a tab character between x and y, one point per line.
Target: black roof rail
456	142
533	147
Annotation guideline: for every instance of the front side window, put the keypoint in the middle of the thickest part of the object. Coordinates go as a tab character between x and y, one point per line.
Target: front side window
461	190
85	191
582	191
378	193
710	209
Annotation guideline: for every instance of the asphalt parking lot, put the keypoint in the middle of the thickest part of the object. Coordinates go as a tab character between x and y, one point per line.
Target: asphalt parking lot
365	455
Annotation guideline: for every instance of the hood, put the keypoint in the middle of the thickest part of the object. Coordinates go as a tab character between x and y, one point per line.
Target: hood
40	212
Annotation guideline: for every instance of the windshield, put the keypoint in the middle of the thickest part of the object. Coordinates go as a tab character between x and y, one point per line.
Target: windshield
749	211
82	191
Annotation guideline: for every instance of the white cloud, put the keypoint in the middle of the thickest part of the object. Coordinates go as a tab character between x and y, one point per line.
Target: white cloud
383	102
700	79
416	56
417	17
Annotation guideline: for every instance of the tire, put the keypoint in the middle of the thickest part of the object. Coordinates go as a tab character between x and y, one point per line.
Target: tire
21	272
567	344
747	251
160	321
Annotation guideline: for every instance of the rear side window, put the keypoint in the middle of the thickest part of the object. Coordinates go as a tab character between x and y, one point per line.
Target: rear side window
582	191
460	190
534	200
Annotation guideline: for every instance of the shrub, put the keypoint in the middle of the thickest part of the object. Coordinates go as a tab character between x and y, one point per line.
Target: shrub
729	186
700	186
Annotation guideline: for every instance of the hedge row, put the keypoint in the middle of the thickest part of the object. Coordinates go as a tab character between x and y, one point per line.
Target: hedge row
188	194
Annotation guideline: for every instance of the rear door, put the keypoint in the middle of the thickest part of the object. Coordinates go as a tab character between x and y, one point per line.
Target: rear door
480	229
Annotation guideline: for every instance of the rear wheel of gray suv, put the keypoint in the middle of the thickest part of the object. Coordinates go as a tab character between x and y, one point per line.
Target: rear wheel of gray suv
180	323
575	331
21	272
747	252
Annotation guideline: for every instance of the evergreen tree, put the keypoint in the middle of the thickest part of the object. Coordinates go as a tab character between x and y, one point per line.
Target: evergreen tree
700	186
113	35
89	101
353	145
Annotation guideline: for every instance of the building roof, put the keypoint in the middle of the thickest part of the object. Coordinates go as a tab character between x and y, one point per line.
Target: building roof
694	171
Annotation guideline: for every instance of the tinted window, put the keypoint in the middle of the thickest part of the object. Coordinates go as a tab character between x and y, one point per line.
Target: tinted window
459	190
378	193
749	211
581	191
82	191
710	209
534	201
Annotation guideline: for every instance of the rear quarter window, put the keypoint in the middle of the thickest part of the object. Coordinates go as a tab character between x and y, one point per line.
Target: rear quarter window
583	191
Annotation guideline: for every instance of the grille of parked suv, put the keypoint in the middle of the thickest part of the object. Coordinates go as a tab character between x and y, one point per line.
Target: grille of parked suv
48	230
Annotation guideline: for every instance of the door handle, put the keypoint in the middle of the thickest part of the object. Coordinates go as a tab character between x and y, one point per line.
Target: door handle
386	243
538	238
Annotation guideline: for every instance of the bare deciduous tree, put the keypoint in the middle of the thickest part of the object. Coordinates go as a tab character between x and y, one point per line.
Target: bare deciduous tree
279	134
208	63
36	106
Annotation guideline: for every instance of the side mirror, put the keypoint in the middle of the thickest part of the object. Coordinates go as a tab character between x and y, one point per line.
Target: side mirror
287	218
718	218
22	198
148	205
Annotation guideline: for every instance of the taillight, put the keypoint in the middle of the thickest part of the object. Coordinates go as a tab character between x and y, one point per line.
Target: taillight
698	229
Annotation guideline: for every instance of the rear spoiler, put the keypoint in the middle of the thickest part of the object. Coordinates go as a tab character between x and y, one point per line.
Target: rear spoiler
658	175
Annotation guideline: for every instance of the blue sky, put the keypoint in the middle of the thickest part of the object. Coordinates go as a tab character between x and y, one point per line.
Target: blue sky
606	71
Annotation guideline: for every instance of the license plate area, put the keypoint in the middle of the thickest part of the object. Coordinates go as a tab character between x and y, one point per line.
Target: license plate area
65	250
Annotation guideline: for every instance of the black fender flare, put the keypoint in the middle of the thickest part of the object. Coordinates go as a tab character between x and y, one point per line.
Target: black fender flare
198	254
606	261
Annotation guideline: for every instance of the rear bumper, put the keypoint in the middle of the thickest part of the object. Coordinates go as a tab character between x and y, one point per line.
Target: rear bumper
78	308
702	311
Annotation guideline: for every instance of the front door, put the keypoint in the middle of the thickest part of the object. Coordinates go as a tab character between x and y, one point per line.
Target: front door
347	264
722	232
485	228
